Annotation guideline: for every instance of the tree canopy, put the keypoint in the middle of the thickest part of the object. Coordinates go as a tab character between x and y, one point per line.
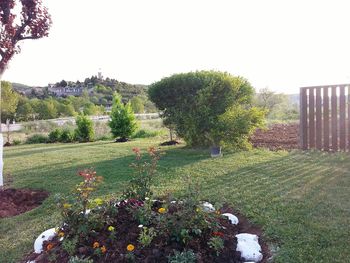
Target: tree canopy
206	106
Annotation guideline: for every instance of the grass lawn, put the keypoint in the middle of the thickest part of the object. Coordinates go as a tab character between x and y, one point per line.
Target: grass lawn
302	200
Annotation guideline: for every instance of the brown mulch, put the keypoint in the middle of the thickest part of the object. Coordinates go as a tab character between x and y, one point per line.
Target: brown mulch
277	137
17	201
128	232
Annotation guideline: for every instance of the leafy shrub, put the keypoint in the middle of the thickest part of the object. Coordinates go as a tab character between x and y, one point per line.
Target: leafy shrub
16	142
84	131
123	122
194	103
67	136
37	138
55	135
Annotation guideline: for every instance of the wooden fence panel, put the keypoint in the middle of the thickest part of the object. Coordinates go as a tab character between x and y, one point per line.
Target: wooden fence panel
318	119
342	114
325	117
303	119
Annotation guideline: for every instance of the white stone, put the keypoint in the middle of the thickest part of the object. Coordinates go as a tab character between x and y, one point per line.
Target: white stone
248	245
44	236
208	207
232	218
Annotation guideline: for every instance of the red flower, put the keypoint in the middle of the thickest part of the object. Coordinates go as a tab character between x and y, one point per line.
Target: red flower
218	234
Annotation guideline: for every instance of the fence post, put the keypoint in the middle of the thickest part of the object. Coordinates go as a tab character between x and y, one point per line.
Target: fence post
303	119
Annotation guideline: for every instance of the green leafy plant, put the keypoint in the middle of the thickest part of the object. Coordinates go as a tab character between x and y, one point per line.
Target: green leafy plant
55	135
37	138
194	103
139	187
216	243
146	236
123	122
85	129
186	256
77	259
16	142
69	245
67	136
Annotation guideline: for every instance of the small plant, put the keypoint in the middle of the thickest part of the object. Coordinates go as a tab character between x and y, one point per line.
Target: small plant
67	136
37	138
216	243
123	122
55	135
69	245
85	129
76	259
16	142
140	186
186	256
145	134
146	236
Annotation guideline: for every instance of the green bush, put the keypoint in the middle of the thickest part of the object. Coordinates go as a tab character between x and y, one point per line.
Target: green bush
37	138
55	135
67	136
198	105
85	129
123	122
16	142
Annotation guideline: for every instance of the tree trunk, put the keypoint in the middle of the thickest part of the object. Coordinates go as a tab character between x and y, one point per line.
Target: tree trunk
1	144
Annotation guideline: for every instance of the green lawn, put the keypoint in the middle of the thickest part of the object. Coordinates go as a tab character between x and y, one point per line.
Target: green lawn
302	200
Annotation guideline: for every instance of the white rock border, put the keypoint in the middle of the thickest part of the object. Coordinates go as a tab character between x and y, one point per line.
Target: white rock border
44	236
248	245
232	218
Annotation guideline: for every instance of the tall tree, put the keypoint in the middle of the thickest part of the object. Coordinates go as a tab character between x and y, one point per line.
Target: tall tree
19	20
9	101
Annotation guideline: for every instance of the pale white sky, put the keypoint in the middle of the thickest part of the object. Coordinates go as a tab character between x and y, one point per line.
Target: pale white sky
276	43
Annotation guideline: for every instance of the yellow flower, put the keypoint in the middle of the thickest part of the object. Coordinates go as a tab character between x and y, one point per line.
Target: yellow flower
98	201
198	210
61	234
130	247
103	249
111	228
66	205
96	245
162	210
89	189
217	212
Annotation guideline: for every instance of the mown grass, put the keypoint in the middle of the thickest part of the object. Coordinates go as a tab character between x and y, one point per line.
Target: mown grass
300	199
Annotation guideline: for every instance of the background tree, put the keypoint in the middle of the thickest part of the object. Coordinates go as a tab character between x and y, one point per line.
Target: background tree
194	103
28	21
85	129
9	101
123	122
137	105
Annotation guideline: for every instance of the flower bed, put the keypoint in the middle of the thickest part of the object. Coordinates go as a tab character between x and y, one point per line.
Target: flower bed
137	228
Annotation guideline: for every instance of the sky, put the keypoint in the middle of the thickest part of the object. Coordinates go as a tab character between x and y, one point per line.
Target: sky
279	44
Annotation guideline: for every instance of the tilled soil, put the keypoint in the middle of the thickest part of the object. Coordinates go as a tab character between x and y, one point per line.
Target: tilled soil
277	137
17	201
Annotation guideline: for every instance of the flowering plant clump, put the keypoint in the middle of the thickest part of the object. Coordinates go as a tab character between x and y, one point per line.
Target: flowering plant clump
139	228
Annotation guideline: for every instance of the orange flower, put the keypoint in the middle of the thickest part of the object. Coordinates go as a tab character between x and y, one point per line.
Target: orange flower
162	210
96	245
61	234
103	249
130	247
49	246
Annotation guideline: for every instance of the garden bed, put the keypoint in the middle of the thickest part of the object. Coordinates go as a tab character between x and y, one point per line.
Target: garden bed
277	137
17	201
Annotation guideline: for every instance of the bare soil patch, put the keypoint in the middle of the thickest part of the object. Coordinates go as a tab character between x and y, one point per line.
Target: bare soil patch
17	201
277	137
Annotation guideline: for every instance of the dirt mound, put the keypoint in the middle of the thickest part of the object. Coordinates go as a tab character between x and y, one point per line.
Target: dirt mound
17	201
277	137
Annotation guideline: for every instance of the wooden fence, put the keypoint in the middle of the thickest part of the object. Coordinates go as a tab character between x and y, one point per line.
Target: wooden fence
325	117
